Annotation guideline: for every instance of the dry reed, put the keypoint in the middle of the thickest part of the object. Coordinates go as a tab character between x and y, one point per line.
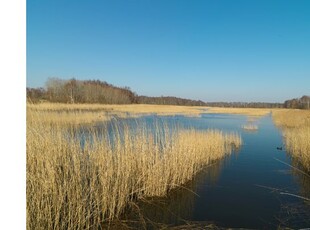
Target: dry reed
93	111
295	125
253	112
250	127
83	185
87	113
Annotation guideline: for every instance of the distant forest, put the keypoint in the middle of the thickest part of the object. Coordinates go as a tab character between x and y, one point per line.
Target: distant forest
298	103
95	91
101	92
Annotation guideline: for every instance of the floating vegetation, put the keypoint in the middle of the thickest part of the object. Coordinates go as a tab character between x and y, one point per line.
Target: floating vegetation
250	127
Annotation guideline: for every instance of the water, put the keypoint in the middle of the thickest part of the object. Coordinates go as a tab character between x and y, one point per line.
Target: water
253	188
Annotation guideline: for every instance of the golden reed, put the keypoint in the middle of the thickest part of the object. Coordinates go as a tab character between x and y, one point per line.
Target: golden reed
295	125
83	186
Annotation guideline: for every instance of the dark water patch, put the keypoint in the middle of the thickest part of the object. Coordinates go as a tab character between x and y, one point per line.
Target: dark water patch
247	194
175	209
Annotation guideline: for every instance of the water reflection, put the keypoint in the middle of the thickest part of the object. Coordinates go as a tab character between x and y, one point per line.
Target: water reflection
303	179
177	207
299	199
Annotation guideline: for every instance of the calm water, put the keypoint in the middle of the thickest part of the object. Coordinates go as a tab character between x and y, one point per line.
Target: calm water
249	189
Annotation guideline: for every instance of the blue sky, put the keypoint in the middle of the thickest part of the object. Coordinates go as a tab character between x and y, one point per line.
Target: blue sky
209	50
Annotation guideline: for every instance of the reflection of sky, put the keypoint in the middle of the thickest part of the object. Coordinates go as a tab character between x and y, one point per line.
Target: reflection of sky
215	121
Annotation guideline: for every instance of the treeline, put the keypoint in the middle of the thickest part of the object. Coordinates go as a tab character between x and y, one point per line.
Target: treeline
95	91
169	101
76	91
245	104
298	103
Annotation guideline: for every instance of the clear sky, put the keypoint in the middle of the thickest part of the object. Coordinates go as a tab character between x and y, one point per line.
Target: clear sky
236	50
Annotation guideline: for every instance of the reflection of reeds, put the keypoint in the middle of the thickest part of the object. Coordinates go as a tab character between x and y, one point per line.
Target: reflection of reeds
299	209
295	125
177	207
74	187
251	119
303	179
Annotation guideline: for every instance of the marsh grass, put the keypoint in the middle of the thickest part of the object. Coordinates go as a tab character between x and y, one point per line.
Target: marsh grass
295	125
73	114
65	113
74	186
253	113
250	127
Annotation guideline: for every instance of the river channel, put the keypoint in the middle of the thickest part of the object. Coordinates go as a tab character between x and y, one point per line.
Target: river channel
257	187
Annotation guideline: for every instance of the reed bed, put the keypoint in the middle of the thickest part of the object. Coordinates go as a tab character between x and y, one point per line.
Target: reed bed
253	112
250	127
84	185
73	114
295	125
60	113
119	109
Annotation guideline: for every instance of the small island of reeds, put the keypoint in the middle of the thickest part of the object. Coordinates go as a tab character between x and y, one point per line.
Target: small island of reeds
250	127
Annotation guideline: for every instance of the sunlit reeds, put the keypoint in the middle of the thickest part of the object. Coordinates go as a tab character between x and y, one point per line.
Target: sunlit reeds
242	111
96	110
61	113
250	127
75	184
295	125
